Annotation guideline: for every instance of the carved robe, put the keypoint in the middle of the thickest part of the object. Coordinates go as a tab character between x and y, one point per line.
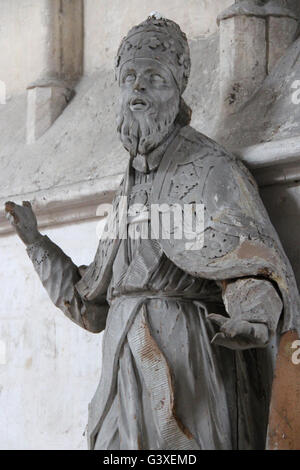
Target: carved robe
163	384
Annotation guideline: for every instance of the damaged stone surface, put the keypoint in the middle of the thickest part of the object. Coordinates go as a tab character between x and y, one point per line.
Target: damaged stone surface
251	43
274	106
281	34
243	59
284	426
259	8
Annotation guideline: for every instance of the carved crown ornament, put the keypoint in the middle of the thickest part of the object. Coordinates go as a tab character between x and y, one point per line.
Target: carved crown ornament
159	39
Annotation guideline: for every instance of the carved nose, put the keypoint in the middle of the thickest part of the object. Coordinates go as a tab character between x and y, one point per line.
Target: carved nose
139	85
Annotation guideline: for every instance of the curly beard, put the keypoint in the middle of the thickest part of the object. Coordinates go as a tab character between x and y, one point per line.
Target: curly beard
141	132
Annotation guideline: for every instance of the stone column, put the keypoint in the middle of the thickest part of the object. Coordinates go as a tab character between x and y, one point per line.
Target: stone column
253	35
63	61
281	32
46	100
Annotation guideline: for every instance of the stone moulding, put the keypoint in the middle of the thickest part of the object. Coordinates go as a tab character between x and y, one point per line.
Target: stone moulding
256	8
276	162
66	204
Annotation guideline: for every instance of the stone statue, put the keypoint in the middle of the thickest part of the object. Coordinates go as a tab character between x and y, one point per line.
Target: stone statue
187	356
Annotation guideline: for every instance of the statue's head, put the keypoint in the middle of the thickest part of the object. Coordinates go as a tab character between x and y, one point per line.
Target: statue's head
152	68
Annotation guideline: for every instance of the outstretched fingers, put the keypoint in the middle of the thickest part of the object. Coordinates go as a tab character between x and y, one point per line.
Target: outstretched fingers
9	206
236	333
236	327
219	320
261	333
27	204
10	210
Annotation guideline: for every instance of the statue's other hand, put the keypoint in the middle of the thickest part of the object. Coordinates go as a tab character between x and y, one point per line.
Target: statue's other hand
23	219
239	334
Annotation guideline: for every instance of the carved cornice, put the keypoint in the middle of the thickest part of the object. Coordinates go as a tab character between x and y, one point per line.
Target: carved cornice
65	204
276	162
256	8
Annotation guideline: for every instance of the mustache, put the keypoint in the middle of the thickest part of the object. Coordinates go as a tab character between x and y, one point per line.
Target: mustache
138	99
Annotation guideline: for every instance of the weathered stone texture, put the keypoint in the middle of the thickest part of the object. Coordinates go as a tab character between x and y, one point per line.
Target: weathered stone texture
242	59
272	113
281	33
44	105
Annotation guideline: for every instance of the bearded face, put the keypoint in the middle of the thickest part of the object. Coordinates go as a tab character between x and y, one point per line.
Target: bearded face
149	105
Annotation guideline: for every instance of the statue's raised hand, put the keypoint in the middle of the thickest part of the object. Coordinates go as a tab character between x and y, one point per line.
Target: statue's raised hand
23	219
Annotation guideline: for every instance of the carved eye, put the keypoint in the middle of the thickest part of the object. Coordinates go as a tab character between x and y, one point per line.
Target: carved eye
157	79
129	78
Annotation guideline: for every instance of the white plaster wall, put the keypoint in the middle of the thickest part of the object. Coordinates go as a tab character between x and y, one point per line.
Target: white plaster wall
52	366
107	21
23	34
